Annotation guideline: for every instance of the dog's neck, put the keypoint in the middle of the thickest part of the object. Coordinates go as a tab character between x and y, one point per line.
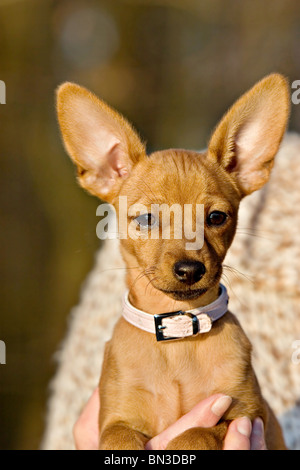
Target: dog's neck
144	296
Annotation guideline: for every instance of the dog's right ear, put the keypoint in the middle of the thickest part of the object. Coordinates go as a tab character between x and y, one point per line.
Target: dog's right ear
248	137
102	144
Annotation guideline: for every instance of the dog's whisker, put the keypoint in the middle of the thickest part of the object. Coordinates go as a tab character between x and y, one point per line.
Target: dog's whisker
138	277
144	273
227	280
253	229
237	273
254	235
149	271
253	232
150	283
119	268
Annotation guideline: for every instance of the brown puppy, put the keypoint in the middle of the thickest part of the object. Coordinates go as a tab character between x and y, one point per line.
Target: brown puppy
147	384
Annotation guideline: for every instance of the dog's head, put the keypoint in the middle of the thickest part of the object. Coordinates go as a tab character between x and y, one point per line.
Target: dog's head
200	192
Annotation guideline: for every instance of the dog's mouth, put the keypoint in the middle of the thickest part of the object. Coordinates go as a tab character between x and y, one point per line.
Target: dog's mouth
190	294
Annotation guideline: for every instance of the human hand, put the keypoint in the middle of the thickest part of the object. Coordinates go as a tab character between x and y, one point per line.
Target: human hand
241	434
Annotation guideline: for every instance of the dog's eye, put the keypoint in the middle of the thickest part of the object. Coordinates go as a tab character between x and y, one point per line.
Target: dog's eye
216	218
146	220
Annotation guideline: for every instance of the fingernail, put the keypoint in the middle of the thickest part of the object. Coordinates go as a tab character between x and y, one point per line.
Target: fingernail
244	426
221	405
258	427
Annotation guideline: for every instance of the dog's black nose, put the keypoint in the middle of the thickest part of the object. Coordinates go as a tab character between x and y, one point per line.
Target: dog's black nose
189	272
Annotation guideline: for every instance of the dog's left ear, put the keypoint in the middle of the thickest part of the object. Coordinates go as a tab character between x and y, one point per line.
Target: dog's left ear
248	137
101	142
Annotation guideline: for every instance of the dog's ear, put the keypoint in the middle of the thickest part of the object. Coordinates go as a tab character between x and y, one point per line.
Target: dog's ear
102	144
248	137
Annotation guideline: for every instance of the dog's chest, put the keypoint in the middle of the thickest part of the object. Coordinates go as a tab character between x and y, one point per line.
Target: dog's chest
174	376
187	374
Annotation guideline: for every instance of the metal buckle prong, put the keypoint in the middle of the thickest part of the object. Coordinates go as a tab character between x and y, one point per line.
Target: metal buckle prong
158	318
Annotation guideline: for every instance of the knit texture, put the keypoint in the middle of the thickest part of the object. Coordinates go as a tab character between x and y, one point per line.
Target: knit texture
261	273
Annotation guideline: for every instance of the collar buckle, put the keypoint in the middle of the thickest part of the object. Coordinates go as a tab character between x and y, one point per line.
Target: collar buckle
159	327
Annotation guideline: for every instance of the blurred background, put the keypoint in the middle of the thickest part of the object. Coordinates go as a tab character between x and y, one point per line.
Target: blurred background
172	67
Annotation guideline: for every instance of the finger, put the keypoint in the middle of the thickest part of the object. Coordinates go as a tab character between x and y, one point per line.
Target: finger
205	414
238	435
86	429
258	435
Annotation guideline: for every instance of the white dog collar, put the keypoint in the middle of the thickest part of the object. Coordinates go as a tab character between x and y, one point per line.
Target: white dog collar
180	324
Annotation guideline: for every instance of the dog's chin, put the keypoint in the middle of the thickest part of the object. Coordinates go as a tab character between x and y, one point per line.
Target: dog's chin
190	294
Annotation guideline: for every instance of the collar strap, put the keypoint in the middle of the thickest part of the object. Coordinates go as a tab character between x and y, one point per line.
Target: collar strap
180	324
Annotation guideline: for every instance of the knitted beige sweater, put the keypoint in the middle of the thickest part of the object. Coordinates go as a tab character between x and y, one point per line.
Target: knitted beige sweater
264	294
